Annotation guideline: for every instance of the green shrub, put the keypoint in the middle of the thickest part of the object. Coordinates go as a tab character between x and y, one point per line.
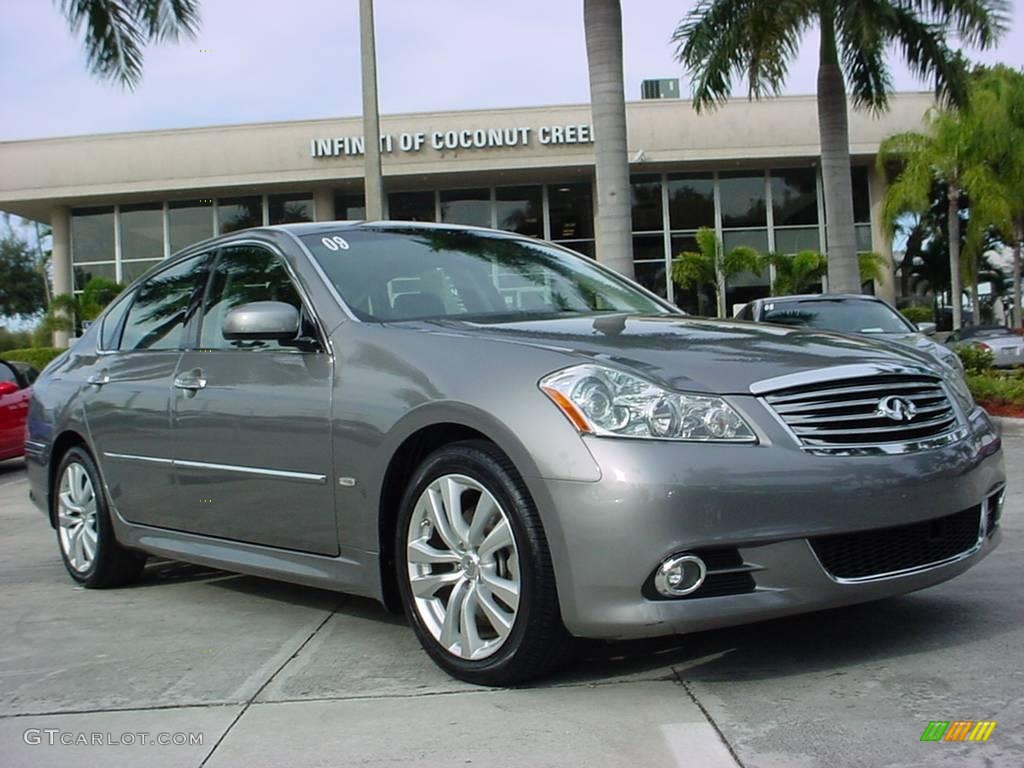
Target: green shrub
997	389
14	339
975	359
918	314
37	357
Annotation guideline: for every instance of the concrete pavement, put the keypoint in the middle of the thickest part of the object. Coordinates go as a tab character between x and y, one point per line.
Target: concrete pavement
273	674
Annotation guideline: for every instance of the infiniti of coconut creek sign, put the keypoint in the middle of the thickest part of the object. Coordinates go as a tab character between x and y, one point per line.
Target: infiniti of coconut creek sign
464	138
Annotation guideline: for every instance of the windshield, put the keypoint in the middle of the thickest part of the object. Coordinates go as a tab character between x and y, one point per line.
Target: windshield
406	274
844	316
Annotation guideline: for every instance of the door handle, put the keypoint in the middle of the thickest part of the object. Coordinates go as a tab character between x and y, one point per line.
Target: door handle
99	379
192	381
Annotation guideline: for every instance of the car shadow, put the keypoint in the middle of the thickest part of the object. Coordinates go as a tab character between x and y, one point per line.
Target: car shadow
11	467
824	641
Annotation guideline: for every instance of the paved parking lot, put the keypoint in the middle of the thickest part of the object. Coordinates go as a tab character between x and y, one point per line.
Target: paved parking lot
271	674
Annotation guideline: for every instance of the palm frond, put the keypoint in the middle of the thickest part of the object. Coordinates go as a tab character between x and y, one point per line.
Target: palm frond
922	41
862	40
978	23
168	19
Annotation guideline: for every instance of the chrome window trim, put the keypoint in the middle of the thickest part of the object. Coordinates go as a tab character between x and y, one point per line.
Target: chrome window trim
982	523
278	473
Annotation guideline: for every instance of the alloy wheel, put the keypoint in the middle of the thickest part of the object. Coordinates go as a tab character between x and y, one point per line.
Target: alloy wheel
463	567
77	517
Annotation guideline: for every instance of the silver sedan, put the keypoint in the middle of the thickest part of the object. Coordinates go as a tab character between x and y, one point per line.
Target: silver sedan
1007	347
510	442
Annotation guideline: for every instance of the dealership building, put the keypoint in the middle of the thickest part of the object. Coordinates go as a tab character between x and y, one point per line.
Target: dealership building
119	203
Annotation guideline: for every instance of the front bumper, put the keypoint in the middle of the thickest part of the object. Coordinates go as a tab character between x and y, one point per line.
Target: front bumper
656	499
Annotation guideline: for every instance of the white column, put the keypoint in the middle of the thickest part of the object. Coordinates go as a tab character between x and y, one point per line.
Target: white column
323	205
60	222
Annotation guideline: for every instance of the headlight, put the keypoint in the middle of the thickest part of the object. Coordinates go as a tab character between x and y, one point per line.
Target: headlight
961	392
605	401
952	359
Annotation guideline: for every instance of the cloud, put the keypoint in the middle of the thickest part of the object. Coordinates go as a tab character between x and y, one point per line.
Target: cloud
286	61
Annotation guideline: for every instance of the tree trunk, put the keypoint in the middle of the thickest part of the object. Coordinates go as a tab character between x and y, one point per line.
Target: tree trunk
1017	314
953	234
602	20
373	185
975	299
833	131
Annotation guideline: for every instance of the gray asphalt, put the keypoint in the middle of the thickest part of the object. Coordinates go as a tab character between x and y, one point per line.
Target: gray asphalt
272	674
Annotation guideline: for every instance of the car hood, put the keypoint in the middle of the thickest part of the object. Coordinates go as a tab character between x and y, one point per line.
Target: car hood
687	353
916	340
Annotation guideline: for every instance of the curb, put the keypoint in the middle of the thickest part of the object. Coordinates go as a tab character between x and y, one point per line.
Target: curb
1009	426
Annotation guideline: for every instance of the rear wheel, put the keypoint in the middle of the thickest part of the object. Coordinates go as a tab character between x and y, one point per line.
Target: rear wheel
88	548
475	571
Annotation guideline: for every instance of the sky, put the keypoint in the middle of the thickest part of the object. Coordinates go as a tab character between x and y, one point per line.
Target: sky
270	60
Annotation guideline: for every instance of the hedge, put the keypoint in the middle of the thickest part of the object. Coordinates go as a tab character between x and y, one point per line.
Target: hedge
997	389
37	357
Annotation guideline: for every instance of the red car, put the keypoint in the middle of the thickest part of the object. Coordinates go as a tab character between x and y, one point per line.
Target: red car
15	390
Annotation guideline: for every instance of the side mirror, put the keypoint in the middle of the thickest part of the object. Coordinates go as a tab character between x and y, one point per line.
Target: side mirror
7	388
261	321
928	329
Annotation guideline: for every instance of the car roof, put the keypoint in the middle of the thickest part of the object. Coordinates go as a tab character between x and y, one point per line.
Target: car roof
808	297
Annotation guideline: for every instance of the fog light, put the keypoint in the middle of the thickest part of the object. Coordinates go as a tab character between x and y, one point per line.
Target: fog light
680	575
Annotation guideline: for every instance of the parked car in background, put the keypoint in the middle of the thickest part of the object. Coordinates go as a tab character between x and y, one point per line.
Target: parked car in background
15	392
856	314
504	437
1007	347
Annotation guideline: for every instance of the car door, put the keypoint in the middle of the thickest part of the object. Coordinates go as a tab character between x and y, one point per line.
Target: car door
252	432
127	399
13	410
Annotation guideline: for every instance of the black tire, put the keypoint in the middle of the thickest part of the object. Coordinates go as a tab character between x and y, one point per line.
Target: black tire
538	642
112	565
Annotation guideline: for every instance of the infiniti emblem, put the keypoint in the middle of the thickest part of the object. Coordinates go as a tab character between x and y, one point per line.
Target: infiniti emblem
896	408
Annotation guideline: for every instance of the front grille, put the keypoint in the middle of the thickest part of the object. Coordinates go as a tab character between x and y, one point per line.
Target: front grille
847	414
727	574
886	550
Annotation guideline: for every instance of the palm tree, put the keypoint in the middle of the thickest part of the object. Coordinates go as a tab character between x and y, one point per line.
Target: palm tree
758	39
710	266
956	151
799	272
1004	124
116	31
602	20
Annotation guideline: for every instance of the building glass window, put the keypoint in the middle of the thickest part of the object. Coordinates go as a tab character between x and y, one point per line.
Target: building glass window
85	272
572	211
286	209
861	198
520	209
652	276
648	248
239	213
691	201
188	222
466	206
863	237
743	200
130	270
586	247
797	239
645	192
794	196
92	234
142	231
411	206
350	206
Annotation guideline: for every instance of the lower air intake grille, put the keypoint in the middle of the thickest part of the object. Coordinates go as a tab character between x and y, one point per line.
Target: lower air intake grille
886	550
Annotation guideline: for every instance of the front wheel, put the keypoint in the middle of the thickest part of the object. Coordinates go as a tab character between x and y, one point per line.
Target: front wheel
474	569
